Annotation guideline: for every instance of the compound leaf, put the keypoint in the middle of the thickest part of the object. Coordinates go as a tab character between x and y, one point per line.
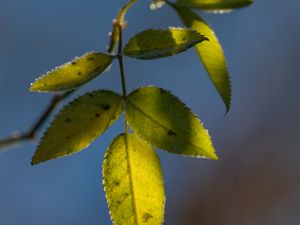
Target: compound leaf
164	121
74	73
210	53
78	124
152	44
215	6
133	182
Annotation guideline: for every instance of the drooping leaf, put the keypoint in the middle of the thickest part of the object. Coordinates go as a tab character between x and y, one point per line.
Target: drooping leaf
78	124
215	6
161	119
73	74
210	53
133	182
152	44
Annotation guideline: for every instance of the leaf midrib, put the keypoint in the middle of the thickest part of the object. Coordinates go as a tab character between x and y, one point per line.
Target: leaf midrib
165	127
129	169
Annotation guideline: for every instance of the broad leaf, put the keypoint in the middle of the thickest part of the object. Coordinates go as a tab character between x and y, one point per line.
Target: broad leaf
133	182
210	53
152	44
164	121
78	124
73	74
217	6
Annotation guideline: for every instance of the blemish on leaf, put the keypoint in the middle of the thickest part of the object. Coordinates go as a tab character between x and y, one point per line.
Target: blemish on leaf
73	63
97	68
97	115
90	58
68	120
68	138
90	94
117	183
79	73
162	90
171	133
105	107
146	217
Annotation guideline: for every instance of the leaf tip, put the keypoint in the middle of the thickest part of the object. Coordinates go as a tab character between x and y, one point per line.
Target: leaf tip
214	156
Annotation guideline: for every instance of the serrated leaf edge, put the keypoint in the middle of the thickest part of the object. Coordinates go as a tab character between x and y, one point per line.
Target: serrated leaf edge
213	155
64	108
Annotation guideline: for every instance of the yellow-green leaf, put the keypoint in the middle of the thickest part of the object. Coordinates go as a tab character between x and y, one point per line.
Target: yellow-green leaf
152	44
217	6
133	182
164	121
78	124
74	73
210	53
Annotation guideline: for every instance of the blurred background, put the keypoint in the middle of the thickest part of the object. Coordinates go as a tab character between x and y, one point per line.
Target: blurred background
256	180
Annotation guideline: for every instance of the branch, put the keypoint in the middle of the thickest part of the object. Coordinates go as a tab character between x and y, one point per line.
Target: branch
31	133
119	23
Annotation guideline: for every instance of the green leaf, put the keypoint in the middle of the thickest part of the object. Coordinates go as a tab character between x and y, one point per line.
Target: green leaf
215	6
73	74
164	121
133	182
152	44
78	124
210	53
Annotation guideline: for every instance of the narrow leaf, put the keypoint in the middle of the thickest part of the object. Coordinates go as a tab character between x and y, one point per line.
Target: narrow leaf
164	121
74	73
78	124
210	53
133	182
215	6
152	44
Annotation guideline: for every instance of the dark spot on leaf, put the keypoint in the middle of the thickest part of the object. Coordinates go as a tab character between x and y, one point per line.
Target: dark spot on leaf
79	73
68	120
171	133
96	69
97	115
68	138
73	63
146	217
117	183
118	202
90	94
90	58
162	90
105	107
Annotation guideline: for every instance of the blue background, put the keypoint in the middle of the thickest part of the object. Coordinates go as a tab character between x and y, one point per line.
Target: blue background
256	180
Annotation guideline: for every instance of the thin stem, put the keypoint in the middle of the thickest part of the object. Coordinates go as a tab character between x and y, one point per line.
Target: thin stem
31	133
122	73
119	21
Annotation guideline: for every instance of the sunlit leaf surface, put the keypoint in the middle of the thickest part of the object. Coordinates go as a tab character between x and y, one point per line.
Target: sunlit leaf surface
133	182
161	119
152	44
210	53
78	124
217	6
73	74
